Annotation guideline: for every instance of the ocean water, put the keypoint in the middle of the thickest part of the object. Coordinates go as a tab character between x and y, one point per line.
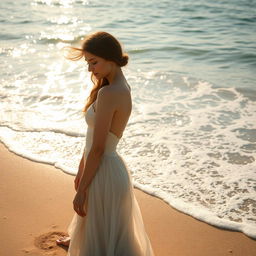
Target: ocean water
191	138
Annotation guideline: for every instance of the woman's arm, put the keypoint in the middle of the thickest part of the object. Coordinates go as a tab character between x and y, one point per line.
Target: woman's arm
106	105
81	165
91	164
80	172
103	118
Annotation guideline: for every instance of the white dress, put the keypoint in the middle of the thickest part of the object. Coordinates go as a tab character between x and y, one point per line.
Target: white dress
113	225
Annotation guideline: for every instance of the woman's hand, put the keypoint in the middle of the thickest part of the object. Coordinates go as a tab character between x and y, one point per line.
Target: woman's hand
79	203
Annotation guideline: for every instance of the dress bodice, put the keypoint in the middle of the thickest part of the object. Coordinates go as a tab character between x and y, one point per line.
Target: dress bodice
112	139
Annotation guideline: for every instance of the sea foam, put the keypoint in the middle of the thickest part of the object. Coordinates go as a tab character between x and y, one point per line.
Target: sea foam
193	145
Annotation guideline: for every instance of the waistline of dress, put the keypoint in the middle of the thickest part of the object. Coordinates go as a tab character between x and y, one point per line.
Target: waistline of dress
106	153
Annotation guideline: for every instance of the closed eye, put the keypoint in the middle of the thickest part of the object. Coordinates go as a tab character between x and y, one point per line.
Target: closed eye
93	63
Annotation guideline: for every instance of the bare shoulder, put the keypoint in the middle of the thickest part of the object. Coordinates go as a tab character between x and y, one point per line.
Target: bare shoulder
117	96
113	91
104	92
106	97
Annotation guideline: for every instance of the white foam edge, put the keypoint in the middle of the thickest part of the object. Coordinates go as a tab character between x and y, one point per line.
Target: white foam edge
55	130
199	213
35	158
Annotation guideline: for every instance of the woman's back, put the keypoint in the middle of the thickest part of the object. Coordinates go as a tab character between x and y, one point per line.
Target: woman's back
123	103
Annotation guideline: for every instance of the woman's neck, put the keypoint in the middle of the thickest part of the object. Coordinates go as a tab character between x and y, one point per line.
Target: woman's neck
115	75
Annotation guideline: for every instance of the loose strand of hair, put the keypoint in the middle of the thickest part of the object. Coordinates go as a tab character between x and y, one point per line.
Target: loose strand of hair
73	53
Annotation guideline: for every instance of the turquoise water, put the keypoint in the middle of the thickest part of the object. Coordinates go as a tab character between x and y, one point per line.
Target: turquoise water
191	138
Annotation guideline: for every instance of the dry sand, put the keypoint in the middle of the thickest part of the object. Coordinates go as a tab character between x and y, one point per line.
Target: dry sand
36	208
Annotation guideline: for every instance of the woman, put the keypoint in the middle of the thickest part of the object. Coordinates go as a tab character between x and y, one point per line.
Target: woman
108	220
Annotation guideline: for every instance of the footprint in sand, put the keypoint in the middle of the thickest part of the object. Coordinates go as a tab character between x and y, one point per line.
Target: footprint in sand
47	241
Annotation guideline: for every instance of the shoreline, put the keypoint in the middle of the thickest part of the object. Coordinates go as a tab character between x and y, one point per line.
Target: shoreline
36	206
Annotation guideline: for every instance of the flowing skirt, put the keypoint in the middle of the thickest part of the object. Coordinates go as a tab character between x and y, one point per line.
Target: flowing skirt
113	225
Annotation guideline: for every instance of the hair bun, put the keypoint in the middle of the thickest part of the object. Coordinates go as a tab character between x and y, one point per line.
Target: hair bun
124	60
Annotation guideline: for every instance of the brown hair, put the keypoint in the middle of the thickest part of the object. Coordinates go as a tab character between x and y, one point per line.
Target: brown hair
104	45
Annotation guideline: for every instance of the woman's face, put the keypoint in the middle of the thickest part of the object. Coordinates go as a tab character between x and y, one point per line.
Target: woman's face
98	66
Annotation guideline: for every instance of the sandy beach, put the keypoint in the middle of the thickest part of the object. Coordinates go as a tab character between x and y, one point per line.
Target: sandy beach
36	208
